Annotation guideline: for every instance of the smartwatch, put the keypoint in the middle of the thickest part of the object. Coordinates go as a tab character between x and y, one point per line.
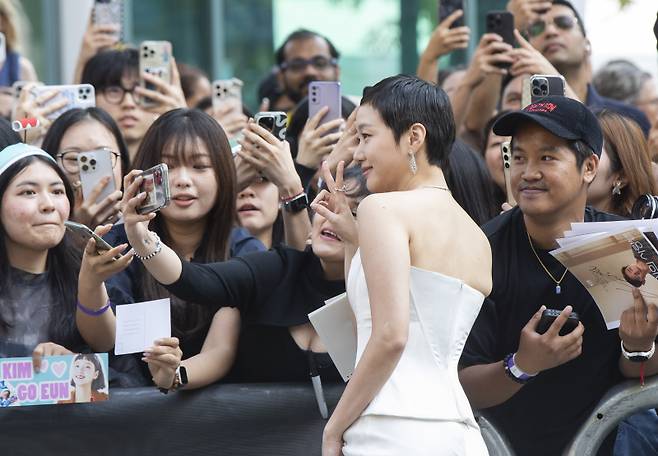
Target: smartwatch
297	204
181	372
638	357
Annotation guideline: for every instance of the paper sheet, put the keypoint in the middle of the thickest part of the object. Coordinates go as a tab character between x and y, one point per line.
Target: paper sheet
138	325
335	324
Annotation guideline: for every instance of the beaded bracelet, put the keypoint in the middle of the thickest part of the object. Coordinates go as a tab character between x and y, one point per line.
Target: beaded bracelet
94	313
158	247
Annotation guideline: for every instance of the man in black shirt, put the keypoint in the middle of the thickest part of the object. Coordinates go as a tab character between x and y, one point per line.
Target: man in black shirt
541	388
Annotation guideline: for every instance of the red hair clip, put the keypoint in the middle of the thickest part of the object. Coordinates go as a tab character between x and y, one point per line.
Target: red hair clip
25	124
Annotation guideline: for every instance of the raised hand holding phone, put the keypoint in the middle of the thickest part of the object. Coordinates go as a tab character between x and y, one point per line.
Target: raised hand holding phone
315	141
160	88
100	262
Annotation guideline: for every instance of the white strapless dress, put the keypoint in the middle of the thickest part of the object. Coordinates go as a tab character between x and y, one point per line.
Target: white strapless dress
421	409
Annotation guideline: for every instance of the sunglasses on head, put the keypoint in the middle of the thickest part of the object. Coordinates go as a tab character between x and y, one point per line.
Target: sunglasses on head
562	22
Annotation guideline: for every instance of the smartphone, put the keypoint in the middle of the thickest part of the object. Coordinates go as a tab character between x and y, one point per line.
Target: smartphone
506	154
549	316
447	7
321	94
227	92
543	85
273	121
85	233
77	96
501	23
155	59
95	165
109	12
156	187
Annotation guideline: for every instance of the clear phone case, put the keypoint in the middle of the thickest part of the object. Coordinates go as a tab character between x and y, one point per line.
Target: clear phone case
156	187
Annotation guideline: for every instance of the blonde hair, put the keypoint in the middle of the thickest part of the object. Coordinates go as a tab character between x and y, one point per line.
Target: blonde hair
14	24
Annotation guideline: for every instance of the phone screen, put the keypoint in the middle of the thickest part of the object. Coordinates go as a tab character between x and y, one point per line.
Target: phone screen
447	7
267	123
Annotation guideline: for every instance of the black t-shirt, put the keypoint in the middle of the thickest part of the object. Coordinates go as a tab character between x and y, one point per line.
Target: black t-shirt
273	290
547	412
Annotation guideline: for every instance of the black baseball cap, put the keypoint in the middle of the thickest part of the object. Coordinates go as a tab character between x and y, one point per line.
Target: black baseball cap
564	117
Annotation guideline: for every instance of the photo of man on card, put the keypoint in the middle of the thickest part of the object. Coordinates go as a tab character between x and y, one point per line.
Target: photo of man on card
636	273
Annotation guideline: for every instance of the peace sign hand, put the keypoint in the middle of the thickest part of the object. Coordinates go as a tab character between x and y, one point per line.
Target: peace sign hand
333	205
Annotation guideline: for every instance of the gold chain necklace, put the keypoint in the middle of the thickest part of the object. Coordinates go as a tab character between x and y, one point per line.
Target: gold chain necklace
558	288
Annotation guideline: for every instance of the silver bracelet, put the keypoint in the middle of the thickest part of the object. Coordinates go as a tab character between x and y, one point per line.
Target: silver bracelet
158	247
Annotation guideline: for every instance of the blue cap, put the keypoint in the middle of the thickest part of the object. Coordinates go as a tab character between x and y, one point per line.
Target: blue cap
11	154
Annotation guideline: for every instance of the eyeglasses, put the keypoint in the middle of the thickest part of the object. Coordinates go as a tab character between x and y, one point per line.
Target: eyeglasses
115	94
562	22
298	65
69	159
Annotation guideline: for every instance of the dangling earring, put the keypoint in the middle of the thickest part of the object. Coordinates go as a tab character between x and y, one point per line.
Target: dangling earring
616	190
412	164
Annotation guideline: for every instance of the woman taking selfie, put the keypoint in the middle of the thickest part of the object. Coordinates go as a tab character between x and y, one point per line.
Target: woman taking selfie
413	309
272	341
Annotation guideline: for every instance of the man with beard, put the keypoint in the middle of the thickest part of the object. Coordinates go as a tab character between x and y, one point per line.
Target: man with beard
304	57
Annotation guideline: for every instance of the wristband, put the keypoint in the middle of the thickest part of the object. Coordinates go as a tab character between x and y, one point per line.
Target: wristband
638	357
513	371
94	313
293	197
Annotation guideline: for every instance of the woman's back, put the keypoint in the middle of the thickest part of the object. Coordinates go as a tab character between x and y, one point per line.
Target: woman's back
442	237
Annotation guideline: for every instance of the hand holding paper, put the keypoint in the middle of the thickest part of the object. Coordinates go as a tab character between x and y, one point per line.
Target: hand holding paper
138	325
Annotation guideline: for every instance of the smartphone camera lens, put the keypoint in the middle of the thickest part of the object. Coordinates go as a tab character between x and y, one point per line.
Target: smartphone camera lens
83	158
535	91
92	162
85	168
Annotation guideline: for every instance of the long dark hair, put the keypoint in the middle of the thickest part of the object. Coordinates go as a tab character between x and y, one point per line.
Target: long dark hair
59	127
470	183
62	264
175	131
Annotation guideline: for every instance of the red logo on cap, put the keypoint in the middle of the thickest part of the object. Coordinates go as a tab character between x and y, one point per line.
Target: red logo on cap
541	107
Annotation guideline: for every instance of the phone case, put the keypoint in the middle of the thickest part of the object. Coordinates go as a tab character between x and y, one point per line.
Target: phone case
109	12
154	58
324	93
77	95
274	121
549	316
85	233
227	92
501	23
543	85
447	7
95	165
506	154
156	187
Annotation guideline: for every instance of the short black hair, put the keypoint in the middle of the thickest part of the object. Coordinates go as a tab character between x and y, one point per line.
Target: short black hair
405	100
106	68
301	35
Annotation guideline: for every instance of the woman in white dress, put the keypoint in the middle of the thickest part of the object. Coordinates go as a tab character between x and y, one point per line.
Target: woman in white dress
420	269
